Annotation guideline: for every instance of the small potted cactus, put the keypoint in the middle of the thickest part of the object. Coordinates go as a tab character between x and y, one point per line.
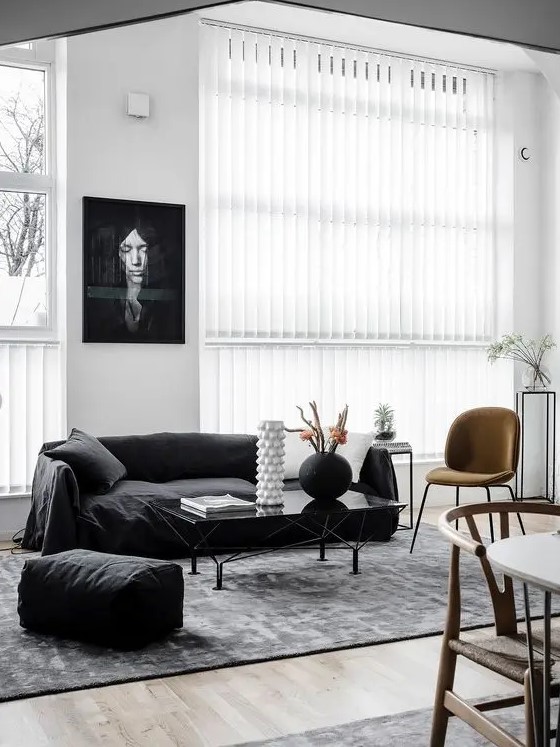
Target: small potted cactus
384	423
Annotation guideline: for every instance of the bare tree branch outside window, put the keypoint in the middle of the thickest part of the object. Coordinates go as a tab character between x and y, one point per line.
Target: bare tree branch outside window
22	151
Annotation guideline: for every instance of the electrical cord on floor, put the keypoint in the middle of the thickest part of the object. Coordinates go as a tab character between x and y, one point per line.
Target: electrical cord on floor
16	548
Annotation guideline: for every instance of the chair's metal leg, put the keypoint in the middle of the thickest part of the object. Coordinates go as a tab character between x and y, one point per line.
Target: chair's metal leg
513	498
491	520
419	516
457	505
535	700
546	668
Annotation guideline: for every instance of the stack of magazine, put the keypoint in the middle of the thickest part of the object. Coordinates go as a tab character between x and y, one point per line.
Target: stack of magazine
219	506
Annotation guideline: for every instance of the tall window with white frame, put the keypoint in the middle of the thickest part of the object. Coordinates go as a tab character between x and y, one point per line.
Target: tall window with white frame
29	342
348	235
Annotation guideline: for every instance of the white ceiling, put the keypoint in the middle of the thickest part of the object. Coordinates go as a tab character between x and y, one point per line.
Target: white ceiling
377	34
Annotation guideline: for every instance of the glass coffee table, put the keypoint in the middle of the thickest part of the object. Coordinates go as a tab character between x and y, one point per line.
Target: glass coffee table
320	522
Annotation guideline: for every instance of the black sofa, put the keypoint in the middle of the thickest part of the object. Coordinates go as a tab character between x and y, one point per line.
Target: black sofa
168	466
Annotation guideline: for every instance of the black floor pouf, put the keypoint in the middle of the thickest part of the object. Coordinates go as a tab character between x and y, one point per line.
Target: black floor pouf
113	600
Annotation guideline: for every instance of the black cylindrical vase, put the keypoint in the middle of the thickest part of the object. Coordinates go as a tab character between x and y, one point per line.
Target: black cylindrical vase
325	476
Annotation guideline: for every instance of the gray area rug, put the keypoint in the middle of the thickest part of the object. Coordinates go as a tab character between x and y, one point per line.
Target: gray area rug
398	730
273	606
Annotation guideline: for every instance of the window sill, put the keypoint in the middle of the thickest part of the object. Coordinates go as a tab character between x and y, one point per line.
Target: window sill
15	494
225	342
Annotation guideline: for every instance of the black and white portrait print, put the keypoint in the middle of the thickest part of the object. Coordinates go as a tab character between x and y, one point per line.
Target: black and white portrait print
134	270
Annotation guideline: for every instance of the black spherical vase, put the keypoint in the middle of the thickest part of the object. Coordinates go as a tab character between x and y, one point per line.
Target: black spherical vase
325	477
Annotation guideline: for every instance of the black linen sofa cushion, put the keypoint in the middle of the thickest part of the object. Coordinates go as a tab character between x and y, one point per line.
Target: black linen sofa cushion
110	600
95	468
161	457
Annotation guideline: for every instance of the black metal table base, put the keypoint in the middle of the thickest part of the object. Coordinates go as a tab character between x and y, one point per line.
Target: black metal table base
320	531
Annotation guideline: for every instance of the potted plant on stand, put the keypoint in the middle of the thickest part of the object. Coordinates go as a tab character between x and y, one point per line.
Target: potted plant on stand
325	475
384	423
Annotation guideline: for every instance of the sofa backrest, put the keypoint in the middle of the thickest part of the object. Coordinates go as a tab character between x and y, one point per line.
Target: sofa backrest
160	457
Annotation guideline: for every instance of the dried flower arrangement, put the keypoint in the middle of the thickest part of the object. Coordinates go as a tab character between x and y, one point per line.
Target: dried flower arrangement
315	434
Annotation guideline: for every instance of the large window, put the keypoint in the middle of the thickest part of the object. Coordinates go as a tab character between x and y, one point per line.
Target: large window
348	234
29	347
25	185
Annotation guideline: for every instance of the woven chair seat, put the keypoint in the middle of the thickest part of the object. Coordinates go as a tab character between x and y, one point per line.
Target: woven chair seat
507	654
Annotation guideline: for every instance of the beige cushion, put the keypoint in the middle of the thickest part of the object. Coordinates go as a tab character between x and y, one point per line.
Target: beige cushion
447	476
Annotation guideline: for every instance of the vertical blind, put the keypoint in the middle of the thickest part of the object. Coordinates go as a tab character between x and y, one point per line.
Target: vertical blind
427	386
31	409
348	199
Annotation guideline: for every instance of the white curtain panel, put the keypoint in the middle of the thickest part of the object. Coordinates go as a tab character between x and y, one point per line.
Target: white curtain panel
31	409
347	196
428	387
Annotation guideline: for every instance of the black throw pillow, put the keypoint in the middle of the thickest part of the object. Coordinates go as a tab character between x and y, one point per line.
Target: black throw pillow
95	468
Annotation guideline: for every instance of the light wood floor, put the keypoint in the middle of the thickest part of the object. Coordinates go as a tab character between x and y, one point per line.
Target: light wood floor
252	702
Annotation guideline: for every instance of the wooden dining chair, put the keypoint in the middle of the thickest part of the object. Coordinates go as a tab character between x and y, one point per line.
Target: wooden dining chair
503	650
481	451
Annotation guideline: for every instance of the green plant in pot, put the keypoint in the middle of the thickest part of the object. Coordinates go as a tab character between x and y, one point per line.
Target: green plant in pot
384	423
325	475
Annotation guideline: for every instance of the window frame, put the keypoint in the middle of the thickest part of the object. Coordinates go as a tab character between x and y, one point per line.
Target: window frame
39	57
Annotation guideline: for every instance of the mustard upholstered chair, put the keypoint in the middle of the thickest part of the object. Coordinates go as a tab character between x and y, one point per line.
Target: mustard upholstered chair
482	451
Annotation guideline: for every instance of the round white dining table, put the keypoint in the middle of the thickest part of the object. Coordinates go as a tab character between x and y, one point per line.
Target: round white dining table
533	559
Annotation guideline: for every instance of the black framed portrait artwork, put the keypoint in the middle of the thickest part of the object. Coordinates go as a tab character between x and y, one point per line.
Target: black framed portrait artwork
134	271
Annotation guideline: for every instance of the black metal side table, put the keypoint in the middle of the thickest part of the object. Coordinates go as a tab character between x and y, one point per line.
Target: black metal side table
550	450
402	447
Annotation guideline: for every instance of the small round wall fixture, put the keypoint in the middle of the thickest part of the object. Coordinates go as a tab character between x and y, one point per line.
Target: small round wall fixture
524	154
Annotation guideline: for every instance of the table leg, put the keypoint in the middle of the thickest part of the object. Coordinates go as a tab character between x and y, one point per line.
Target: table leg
411	488
355	567
530	652
219	576
546	668
557	740
193	571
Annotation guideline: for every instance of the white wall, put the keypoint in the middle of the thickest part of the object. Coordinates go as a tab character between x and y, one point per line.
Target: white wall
134	388
526	91
549	114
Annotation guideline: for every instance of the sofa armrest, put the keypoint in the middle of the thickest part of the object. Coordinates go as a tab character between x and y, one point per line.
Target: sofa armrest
378	473
55	503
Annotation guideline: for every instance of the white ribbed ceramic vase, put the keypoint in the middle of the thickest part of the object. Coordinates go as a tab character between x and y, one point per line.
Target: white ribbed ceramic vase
270	463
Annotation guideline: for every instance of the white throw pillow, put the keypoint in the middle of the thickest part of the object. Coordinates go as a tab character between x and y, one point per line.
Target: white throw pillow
355	450
296	451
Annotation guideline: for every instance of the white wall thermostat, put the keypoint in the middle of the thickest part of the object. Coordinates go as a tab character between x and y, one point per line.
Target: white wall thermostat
138	105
